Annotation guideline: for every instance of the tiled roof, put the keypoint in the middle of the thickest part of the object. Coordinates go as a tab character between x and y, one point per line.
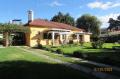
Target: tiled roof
50	24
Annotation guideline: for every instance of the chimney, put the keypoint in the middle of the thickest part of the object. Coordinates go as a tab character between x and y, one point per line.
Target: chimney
10	22
30	16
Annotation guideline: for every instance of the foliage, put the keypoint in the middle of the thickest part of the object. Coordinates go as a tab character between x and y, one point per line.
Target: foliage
59	51
103	30
40	46
114	24
13	28
97	44
71	42
89	23
81	43
7	28
63	18
112	38
79	54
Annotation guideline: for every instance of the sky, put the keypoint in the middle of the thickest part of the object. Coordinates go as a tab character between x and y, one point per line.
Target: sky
46	9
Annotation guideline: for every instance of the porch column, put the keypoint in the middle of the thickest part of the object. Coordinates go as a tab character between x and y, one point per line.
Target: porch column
53	38
66	38
78	38
61	36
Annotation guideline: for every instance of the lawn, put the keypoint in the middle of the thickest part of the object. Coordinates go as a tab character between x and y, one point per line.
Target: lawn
18	64
72	60
69	49
105	55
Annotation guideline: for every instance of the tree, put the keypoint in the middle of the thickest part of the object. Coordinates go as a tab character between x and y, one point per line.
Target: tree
89	23
6	29
114	24
63	18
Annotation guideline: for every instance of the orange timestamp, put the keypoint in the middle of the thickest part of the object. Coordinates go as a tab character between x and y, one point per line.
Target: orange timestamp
103	69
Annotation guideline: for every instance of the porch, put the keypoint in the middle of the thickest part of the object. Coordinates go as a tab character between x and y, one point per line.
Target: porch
61	36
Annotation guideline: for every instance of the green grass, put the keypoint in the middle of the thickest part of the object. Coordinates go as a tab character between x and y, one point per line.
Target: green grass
85	48
18	64
105	55
78	62
110	45
12	54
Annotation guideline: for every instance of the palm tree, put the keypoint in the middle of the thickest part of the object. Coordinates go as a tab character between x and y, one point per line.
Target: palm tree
7	28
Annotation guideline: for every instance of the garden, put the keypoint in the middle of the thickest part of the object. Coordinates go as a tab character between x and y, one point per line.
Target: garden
108	54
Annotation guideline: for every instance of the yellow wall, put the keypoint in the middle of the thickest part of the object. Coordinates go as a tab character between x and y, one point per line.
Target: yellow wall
86	38
32	38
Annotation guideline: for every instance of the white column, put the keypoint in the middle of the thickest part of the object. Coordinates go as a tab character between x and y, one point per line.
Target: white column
61	36
53	38
78	37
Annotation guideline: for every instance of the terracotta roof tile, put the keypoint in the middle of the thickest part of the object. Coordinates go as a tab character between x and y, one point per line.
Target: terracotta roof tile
50	24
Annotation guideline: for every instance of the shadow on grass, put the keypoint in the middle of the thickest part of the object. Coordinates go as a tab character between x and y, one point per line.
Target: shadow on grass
37	70
104	56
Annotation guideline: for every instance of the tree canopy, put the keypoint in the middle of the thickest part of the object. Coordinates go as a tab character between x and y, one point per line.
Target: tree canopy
7	28
114	24
12	28
89	23
63	18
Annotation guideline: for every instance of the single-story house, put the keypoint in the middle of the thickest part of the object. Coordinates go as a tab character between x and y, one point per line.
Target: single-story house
52	33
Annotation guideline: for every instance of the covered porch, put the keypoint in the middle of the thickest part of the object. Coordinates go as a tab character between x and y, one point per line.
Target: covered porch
82	37
62	36
59	36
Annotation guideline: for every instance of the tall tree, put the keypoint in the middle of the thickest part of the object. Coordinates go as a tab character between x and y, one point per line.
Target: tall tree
89	23
6	29
114	24
63	18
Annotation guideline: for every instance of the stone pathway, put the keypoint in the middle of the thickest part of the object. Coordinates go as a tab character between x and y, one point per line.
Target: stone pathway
87	70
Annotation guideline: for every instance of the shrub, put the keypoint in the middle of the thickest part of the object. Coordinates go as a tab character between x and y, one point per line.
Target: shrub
59	51
39	46
79	54
97	44
47	49
81	43
71	42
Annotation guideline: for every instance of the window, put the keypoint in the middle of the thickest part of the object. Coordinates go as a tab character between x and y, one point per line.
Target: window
74	36
63	36
47	36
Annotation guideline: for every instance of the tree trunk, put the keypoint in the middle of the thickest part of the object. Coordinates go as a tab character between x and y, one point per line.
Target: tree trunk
6	39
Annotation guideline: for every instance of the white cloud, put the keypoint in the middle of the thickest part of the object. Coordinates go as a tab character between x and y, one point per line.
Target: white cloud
104	19
104	6
56	3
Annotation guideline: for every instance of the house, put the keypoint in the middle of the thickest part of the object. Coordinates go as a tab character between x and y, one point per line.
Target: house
52	33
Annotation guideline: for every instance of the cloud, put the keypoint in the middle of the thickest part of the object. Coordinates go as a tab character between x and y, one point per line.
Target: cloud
56	4
104	19
102	5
